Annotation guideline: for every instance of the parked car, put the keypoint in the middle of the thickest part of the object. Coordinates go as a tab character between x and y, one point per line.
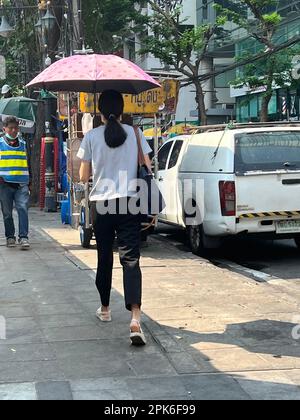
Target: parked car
239	181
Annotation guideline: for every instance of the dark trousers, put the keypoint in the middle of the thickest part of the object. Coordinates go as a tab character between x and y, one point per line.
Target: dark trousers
127	229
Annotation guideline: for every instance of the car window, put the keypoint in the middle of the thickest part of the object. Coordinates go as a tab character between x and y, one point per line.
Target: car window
175	154
163	155
267	151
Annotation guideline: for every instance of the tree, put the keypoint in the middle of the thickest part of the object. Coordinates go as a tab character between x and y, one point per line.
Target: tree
276	70
263	26
104	18
21	49
179	45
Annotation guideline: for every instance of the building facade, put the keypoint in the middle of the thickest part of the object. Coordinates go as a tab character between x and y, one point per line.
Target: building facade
220	106
285	102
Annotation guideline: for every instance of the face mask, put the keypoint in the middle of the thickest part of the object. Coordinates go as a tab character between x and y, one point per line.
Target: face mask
11	137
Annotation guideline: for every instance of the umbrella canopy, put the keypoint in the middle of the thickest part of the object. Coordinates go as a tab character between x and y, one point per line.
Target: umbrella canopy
94	73
24	109
19	107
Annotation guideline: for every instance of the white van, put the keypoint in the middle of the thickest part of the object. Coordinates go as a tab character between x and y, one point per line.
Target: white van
240	181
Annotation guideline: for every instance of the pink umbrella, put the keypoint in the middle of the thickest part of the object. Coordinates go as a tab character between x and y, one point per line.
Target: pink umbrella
94	73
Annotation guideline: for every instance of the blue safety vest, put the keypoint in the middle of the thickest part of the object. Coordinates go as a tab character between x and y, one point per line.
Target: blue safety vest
14	163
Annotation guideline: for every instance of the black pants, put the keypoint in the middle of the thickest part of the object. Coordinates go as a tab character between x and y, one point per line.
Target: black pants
127	229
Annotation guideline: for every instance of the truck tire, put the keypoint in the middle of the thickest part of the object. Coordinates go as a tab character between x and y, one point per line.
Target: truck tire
195	239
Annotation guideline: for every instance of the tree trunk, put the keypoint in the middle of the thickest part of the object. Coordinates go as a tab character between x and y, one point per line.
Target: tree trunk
202	117
264	115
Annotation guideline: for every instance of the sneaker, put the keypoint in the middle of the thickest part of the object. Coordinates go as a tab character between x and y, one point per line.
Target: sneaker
24	243
11	243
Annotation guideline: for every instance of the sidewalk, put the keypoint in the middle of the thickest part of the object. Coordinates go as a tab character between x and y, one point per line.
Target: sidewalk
212	334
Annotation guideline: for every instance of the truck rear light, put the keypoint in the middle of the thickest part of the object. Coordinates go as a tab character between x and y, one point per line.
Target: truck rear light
228	198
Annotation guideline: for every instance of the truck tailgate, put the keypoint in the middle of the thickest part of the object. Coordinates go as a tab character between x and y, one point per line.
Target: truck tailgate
268	193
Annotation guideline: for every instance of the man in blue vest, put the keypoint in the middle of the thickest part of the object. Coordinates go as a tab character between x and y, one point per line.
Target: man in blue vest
14	183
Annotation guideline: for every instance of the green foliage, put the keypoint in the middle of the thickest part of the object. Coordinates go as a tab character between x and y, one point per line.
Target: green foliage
105	18
275	70
272	19
21	48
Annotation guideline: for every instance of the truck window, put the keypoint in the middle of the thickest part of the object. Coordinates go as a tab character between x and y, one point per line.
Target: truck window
175	154
163	155
267	151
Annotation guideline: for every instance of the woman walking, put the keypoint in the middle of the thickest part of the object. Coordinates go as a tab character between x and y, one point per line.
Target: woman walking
110	154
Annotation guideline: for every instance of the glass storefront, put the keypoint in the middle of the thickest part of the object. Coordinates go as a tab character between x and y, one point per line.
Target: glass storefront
284	105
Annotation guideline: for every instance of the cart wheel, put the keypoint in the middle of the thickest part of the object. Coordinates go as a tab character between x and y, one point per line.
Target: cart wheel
86	234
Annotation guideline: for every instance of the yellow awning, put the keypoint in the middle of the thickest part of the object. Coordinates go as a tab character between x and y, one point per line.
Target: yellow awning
151	132
180	129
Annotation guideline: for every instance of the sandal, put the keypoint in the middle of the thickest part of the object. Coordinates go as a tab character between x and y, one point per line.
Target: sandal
137	338
103	316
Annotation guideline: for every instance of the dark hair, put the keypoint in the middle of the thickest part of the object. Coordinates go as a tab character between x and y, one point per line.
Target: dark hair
111	105
10	120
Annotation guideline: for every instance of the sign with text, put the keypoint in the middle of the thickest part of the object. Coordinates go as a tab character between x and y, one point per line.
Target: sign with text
153	101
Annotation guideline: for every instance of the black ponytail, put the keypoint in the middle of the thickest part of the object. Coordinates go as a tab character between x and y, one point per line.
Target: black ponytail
111	105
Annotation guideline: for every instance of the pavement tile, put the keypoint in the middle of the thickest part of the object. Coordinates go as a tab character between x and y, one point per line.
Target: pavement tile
214	388
158	364
235	359
54	391
25	352
269	386
30	371
187	363
155	388
18	392
75	368
99	384
104	395
57	309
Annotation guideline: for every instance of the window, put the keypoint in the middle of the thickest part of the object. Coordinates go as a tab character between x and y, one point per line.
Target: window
163	155
205	9
267	151
225	79
175	154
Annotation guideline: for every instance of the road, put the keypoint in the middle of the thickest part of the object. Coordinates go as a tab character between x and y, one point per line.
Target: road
279	259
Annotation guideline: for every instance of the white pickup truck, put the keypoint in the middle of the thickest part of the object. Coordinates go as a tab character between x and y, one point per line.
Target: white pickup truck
239	181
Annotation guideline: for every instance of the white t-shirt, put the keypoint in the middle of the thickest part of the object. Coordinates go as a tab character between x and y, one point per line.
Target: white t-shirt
114	170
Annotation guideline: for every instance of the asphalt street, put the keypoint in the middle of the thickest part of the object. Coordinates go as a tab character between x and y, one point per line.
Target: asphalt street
275	258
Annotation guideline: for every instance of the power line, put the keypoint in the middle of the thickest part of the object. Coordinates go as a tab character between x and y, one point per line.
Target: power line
243	63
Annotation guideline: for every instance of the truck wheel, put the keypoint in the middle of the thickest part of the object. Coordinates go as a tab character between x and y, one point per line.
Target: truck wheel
195	238
86	235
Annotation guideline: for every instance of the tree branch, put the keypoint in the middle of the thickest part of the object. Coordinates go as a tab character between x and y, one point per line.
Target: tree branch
242	63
